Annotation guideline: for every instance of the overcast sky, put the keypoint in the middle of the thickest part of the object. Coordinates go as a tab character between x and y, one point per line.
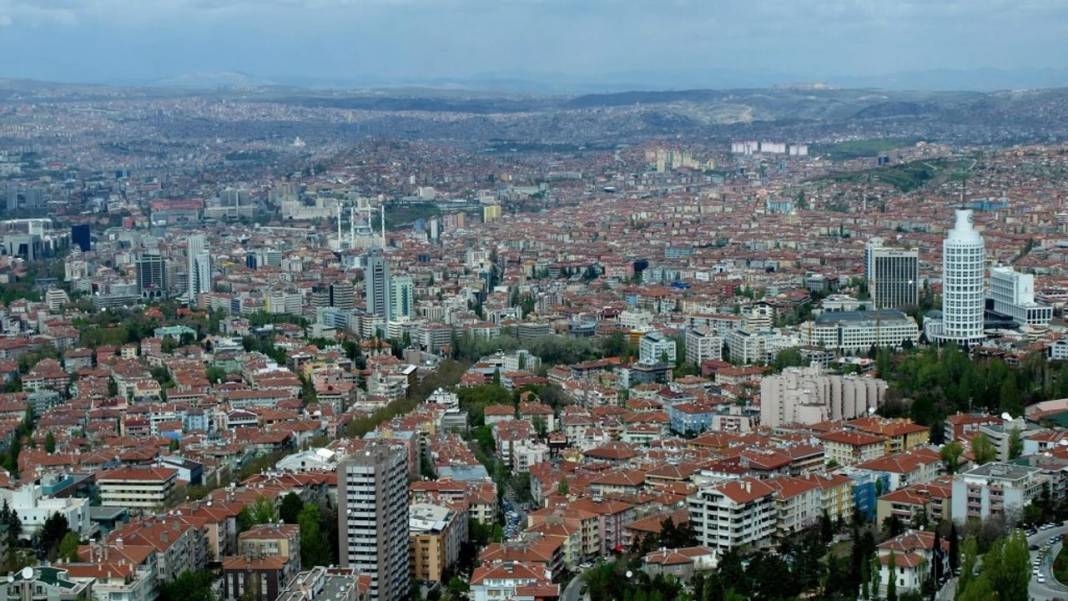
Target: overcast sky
693	41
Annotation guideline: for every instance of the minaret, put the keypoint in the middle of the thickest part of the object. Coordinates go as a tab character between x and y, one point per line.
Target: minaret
383	225
352	226
339	225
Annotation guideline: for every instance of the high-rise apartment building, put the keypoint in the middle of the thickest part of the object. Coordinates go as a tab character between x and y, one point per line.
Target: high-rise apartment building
343	295
401	298
892	275
373	519
199	267
151	276
963	296
376	282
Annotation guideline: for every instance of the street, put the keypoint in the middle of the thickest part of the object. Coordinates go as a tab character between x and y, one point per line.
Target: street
571	591
1052	589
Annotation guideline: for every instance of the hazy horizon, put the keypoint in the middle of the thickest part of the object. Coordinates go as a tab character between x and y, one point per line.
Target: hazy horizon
611	44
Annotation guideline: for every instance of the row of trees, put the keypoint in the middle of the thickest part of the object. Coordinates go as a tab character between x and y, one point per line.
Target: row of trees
940	382
1004	574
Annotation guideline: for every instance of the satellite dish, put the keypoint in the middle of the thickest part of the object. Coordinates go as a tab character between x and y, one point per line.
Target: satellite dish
1063	442
27	573
1006	416
871	410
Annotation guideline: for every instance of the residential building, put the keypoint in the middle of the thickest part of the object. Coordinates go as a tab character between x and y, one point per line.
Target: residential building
806	395
654	347
995	489
436	534
729	514
850	448
703	345
373	518
137	488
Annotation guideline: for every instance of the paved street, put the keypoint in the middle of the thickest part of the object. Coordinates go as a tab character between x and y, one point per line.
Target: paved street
1052	589
571	591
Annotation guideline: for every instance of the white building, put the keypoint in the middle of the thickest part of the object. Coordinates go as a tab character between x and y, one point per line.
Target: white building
729	514
963	299
654	347
996	489
373	519
1013	294
34	508
806	395
702	345
857	331
139	488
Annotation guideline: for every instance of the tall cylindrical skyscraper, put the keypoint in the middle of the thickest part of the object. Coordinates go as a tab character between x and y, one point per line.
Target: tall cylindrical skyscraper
963	268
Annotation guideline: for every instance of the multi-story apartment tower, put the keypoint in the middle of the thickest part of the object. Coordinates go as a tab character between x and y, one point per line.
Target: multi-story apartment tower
373	519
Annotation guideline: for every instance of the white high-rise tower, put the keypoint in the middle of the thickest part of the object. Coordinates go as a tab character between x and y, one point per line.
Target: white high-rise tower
963	268
199	267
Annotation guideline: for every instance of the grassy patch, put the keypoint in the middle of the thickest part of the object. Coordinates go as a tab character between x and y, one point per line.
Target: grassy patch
906	177
1060	566
859	149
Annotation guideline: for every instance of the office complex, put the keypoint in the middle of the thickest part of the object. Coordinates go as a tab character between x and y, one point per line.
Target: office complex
963	267
892	275
373	518
806	395
151	276
1013	295
853	332
376	281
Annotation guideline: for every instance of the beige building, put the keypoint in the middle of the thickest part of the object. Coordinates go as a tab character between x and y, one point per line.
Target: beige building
436	533
136	488
806	395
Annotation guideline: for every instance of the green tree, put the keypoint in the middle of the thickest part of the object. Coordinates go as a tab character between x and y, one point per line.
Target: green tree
979	589
216	374
969	558
50	443
1015	444
983	450
68	547
290	508
1007	566
314	550
951	452
891	584
52	532
189	586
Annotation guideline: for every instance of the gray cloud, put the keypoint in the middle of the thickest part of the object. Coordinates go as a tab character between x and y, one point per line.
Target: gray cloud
420	39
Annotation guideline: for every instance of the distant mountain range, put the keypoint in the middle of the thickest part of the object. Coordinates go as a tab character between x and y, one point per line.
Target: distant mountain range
719	79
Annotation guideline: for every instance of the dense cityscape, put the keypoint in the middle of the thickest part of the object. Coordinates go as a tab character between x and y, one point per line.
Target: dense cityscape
270	343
